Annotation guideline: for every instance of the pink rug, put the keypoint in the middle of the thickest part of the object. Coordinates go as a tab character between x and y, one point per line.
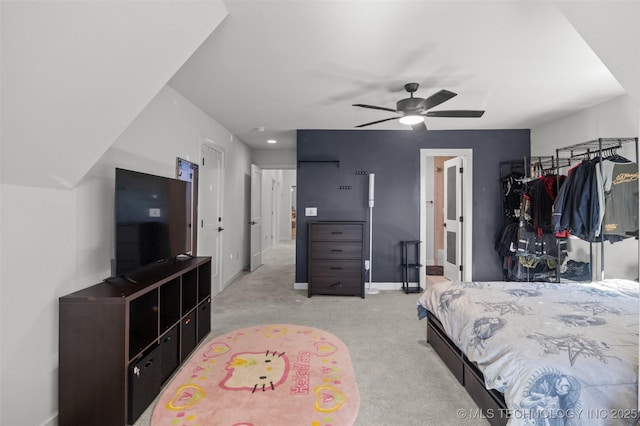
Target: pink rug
276	374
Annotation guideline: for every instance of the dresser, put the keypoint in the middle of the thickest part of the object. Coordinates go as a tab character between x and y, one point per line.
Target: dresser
336	258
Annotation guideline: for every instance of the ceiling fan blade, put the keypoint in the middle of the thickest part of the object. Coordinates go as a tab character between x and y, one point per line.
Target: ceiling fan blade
420	126
374	107
438	98
379	121
462	113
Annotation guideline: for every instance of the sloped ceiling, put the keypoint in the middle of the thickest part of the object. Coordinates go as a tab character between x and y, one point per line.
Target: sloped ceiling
276	66
612	30
75	74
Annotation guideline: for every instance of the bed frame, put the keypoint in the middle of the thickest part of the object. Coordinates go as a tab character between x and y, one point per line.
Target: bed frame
491	402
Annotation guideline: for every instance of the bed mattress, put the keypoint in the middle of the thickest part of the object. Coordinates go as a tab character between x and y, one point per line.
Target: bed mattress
561	353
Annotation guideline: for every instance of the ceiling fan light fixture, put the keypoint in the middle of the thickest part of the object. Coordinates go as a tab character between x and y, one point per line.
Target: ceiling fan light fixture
410	120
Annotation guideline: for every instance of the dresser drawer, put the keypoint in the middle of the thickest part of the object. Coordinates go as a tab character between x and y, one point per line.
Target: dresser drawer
337	269
336	250
338	285
336	232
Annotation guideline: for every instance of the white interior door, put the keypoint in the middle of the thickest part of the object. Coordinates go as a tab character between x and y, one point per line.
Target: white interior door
210	205
453	199
255	224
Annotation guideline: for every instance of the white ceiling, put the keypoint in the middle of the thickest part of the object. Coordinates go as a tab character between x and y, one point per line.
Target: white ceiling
288	65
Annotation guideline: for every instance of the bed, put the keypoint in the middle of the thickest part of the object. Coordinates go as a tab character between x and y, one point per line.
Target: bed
540	353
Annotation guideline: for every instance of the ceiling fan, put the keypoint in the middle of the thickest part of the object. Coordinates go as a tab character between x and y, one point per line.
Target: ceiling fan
413	110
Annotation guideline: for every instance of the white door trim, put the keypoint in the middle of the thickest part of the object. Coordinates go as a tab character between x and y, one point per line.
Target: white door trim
467	224
211	144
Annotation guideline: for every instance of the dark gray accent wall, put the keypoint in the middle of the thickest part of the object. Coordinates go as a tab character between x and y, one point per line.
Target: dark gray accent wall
394	157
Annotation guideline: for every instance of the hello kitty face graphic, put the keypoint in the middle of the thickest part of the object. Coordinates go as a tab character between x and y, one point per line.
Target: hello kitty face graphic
256	371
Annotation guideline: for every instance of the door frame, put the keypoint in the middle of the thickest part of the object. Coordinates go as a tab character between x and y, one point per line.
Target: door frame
467	224
219	261
255	226
451	270
275	210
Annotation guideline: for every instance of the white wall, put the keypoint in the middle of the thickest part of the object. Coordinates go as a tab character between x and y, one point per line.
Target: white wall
275	159
56	241
619	117
173	127
39	243
615	118
76	73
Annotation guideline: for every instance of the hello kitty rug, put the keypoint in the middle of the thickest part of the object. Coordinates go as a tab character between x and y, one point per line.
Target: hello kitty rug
260	376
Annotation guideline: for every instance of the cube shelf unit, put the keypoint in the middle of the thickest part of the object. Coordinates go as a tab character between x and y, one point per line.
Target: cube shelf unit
120	341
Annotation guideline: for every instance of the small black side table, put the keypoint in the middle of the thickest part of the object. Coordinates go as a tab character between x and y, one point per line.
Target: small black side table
411	265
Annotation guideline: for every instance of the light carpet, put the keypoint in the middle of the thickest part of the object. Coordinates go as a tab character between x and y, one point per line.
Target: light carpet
264	375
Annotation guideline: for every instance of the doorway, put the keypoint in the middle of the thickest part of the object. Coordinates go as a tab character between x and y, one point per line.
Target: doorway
432	230
292	204
272	208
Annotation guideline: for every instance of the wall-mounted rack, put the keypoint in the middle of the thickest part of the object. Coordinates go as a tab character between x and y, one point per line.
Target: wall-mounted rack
336	162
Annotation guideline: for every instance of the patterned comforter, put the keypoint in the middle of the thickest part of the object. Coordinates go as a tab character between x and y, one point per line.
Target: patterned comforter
561	353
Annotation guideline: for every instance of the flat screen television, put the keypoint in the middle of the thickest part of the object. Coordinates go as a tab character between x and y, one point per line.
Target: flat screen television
152	219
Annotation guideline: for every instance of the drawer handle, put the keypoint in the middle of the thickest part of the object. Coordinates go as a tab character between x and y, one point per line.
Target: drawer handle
336	232
338	284
336	250
336	267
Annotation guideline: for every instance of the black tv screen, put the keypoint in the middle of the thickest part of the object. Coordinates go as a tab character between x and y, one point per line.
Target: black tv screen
152	219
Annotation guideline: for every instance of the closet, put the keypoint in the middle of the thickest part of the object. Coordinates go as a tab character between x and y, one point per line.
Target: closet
587	192
598	202
530	250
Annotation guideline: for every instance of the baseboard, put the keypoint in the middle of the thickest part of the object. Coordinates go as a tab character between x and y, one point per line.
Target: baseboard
379	286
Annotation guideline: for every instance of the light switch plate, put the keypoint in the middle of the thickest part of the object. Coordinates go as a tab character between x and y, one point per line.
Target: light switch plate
311	211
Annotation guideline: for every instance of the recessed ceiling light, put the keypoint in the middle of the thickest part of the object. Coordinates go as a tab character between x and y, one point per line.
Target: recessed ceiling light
272	141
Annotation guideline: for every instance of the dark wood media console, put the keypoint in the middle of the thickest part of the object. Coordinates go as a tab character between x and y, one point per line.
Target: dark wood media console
120	341
490	401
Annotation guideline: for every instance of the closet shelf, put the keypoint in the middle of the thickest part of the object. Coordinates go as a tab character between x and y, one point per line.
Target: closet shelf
595	146
336	162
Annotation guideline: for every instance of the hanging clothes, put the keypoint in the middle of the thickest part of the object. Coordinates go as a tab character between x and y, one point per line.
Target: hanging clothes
512	186
541	194
587	203
620	182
